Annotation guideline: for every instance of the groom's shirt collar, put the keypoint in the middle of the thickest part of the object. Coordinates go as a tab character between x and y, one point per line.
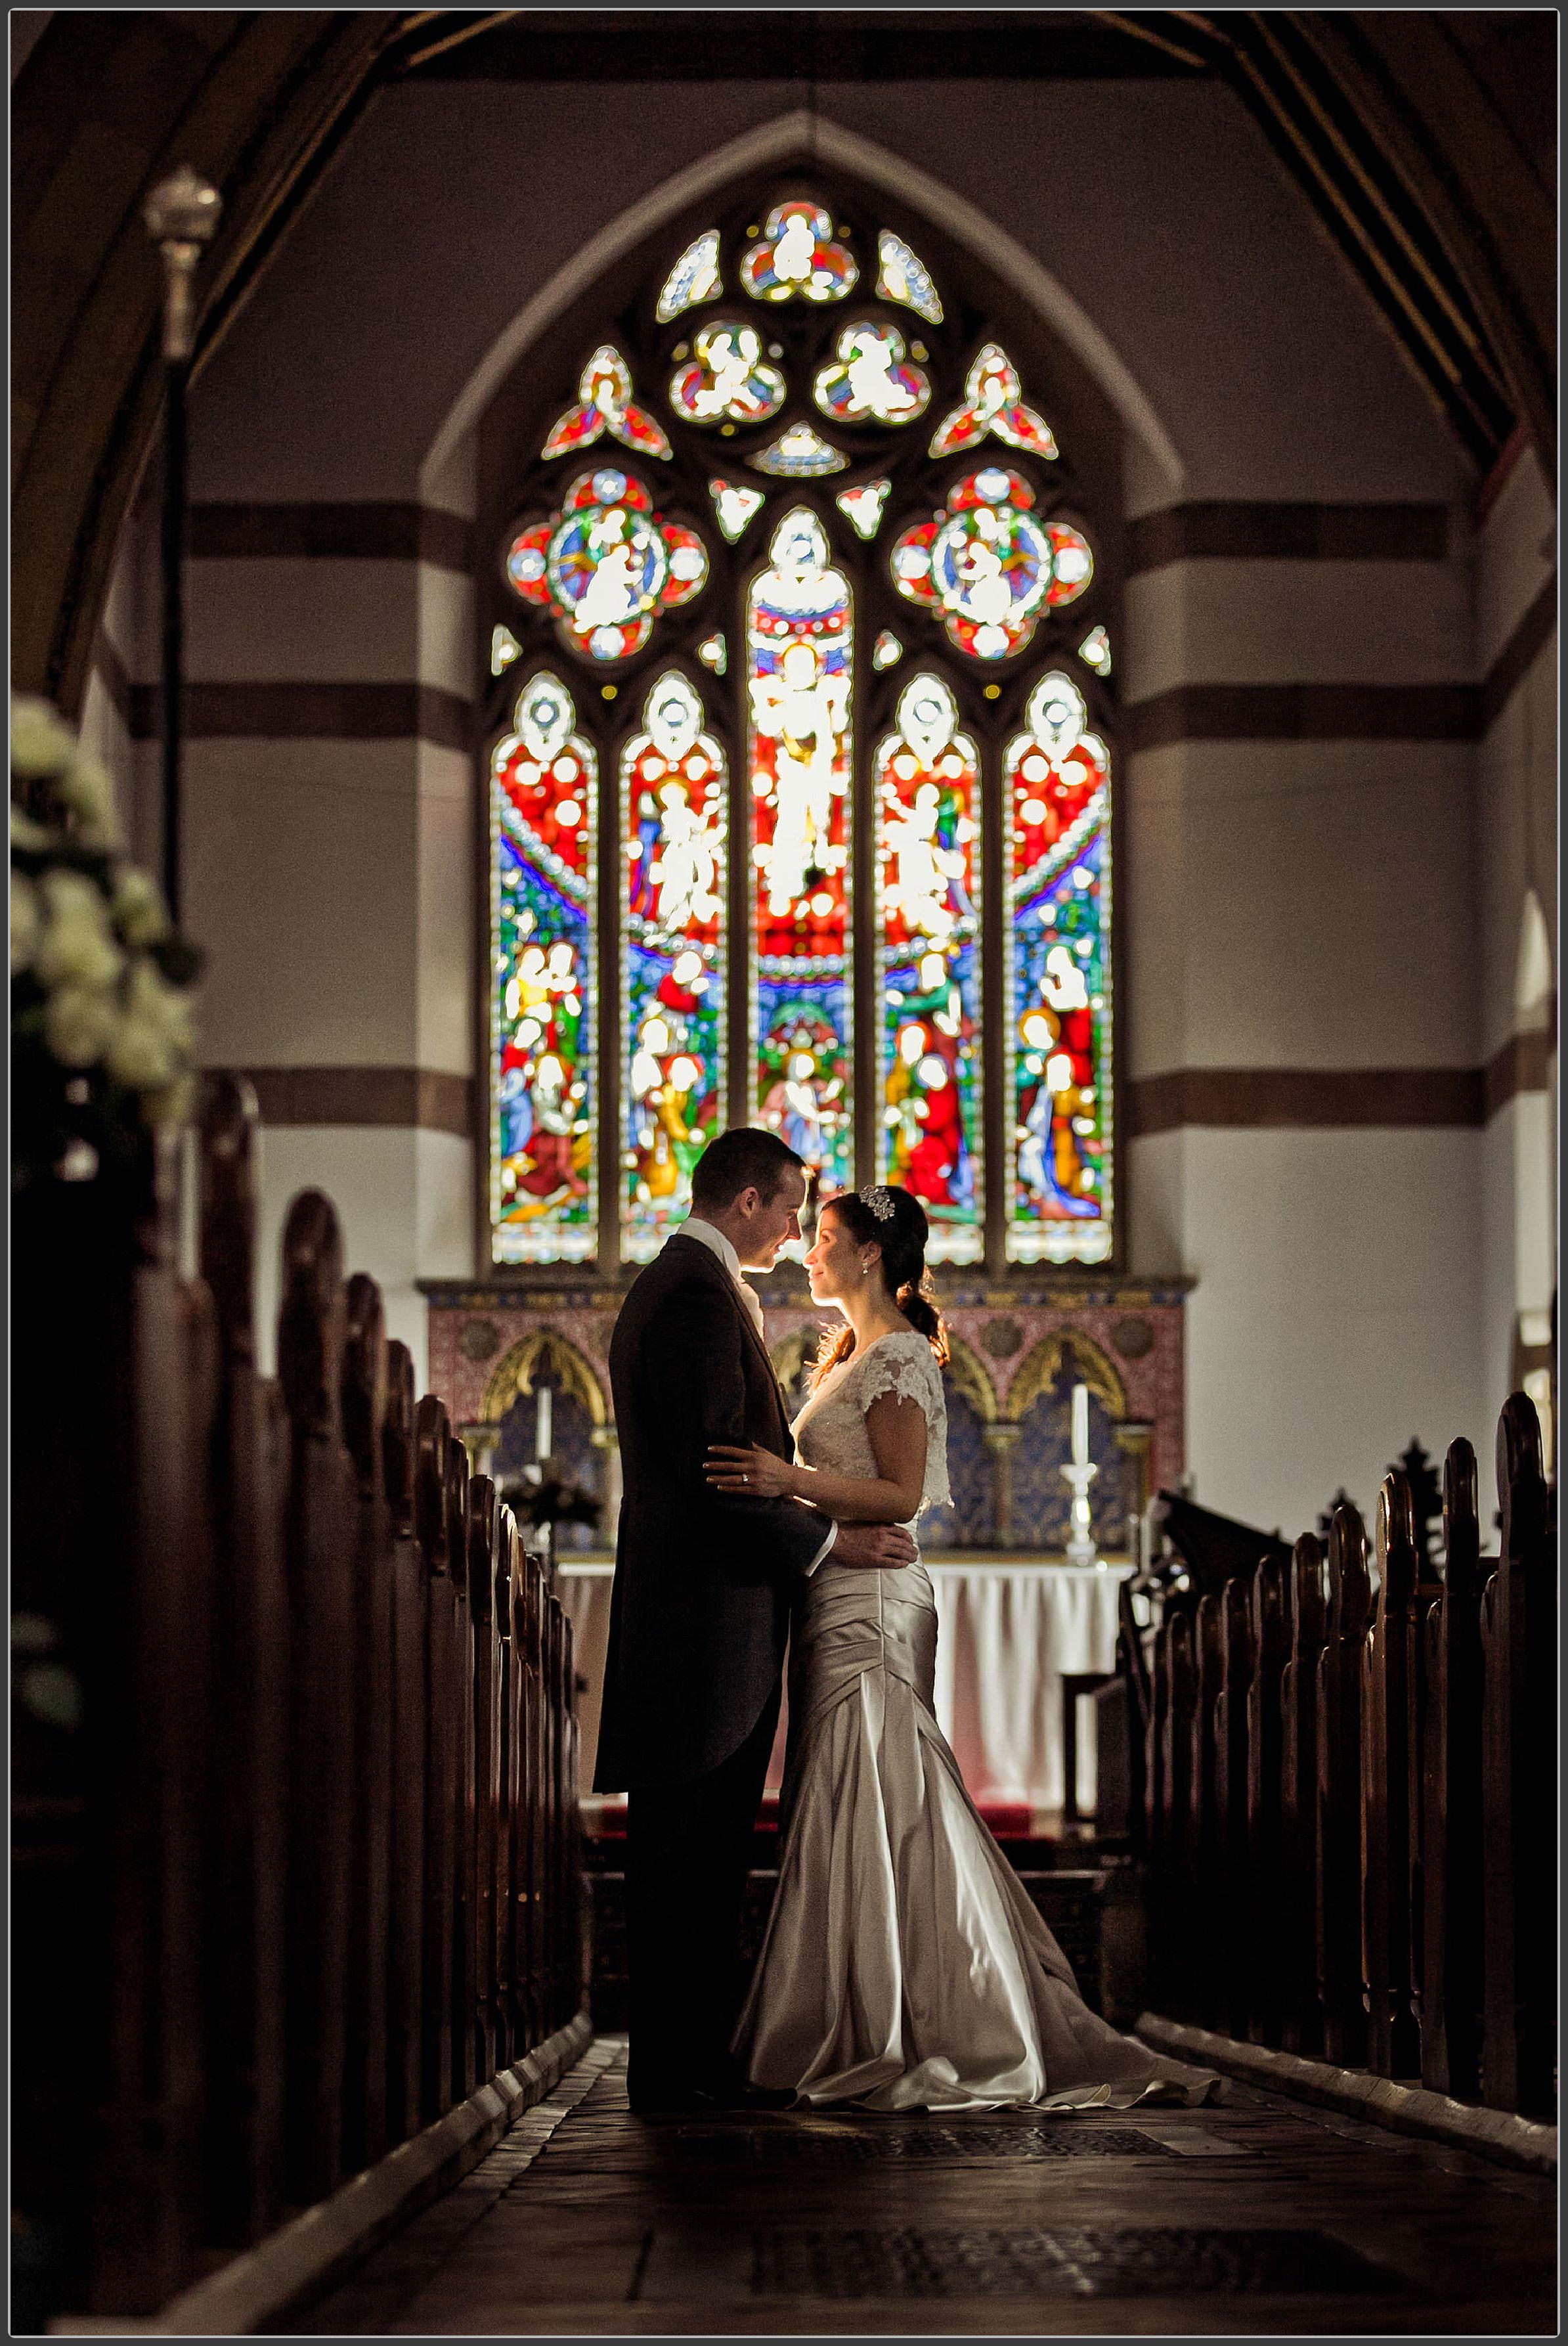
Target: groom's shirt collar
694	1226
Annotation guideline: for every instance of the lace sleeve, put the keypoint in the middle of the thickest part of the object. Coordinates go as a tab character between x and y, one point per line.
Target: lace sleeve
905	1366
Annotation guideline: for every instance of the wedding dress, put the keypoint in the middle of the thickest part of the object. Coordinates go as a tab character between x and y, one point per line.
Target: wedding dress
905	1965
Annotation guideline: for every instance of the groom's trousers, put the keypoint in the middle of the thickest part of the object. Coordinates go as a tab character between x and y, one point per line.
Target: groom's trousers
689	1850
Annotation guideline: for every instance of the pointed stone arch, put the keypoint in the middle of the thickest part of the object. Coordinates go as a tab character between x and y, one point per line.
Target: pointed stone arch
972	1378
544	1353
1040	1368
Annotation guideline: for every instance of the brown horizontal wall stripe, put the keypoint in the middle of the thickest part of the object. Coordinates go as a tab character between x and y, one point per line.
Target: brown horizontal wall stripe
1233	1098
1305	1098
1519	653
347	533
406	1099
312	712
1286	533
1522	1066
1304	712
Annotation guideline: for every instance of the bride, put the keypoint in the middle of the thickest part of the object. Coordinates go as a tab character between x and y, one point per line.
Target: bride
904	1966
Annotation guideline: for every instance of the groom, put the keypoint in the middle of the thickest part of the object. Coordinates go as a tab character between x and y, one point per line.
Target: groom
699	1615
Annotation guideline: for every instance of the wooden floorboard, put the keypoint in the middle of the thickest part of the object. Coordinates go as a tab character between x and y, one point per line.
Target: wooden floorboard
1259	2217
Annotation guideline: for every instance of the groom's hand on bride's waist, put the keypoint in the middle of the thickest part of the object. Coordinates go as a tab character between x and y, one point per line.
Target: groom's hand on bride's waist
875	1547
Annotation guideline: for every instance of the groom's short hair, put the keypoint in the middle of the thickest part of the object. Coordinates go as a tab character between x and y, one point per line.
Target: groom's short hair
746	1158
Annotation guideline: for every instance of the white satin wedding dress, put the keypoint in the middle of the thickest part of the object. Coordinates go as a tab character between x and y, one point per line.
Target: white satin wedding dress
904	1966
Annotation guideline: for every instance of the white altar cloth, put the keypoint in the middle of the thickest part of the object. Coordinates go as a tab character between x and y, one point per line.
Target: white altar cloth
1008	1629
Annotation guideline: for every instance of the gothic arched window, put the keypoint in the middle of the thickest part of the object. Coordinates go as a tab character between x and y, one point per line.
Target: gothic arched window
800	812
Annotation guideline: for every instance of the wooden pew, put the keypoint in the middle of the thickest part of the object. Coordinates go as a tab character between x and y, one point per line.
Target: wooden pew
434	1442
321	1524
1171	1916
1448	1964
1203	1822
242	2143
1301	2027
296	1860
364	1403
409	1762
465	1961
1230	1774
1519	1763
484	1545
1270	1644
1390	1729
1340	1673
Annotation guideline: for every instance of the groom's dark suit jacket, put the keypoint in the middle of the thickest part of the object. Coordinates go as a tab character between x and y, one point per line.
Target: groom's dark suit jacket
699	1615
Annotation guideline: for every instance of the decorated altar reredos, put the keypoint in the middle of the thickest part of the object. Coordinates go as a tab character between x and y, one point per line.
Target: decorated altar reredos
1016	1617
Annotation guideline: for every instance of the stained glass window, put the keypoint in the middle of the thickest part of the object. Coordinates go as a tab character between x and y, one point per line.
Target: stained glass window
797	564
543	824
799	639
675	831
1058	796
927	798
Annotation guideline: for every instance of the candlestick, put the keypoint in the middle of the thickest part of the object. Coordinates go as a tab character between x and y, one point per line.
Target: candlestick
543	1430
1080	1425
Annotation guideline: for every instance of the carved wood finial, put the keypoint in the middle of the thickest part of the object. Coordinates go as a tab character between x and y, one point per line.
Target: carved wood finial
1397	1567
364	1380
398	1437
432	1439
1461	1520
1349	1582
310	1319
1309	1612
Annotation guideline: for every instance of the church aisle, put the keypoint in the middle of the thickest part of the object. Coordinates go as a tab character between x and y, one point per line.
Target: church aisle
1259	2217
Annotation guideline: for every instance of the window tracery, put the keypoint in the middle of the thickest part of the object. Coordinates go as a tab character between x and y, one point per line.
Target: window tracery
792	854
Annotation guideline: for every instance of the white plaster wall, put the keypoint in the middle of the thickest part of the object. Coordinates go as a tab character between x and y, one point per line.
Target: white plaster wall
1516	790
1335	1313
373	1180
302	881
1298	904
1275	622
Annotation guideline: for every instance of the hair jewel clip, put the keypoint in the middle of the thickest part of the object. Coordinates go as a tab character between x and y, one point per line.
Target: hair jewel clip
879	1199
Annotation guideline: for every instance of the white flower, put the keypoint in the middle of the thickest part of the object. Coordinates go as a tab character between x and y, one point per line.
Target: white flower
79	1024
138	909
25	831
26	922
41	742
76	945
142	1054
166	1007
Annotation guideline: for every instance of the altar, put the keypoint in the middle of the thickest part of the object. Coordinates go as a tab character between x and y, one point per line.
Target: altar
1010	1628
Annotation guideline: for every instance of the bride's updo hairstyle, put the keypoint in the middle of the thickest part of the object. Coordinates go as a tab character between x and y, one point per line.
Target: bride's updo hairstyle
896	1221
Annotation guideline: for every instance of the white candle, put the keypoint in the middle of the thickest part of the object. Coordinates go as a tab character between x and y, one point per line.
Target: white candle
1080	1425
543	1428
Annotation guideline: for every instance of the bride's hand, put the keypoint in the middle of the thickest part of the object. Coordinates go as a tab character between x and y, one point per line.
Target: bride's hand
752	1474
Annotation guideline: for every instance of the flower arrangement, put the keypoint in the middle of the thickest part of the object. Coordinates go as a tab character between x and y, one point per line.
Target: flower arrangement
102	1041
